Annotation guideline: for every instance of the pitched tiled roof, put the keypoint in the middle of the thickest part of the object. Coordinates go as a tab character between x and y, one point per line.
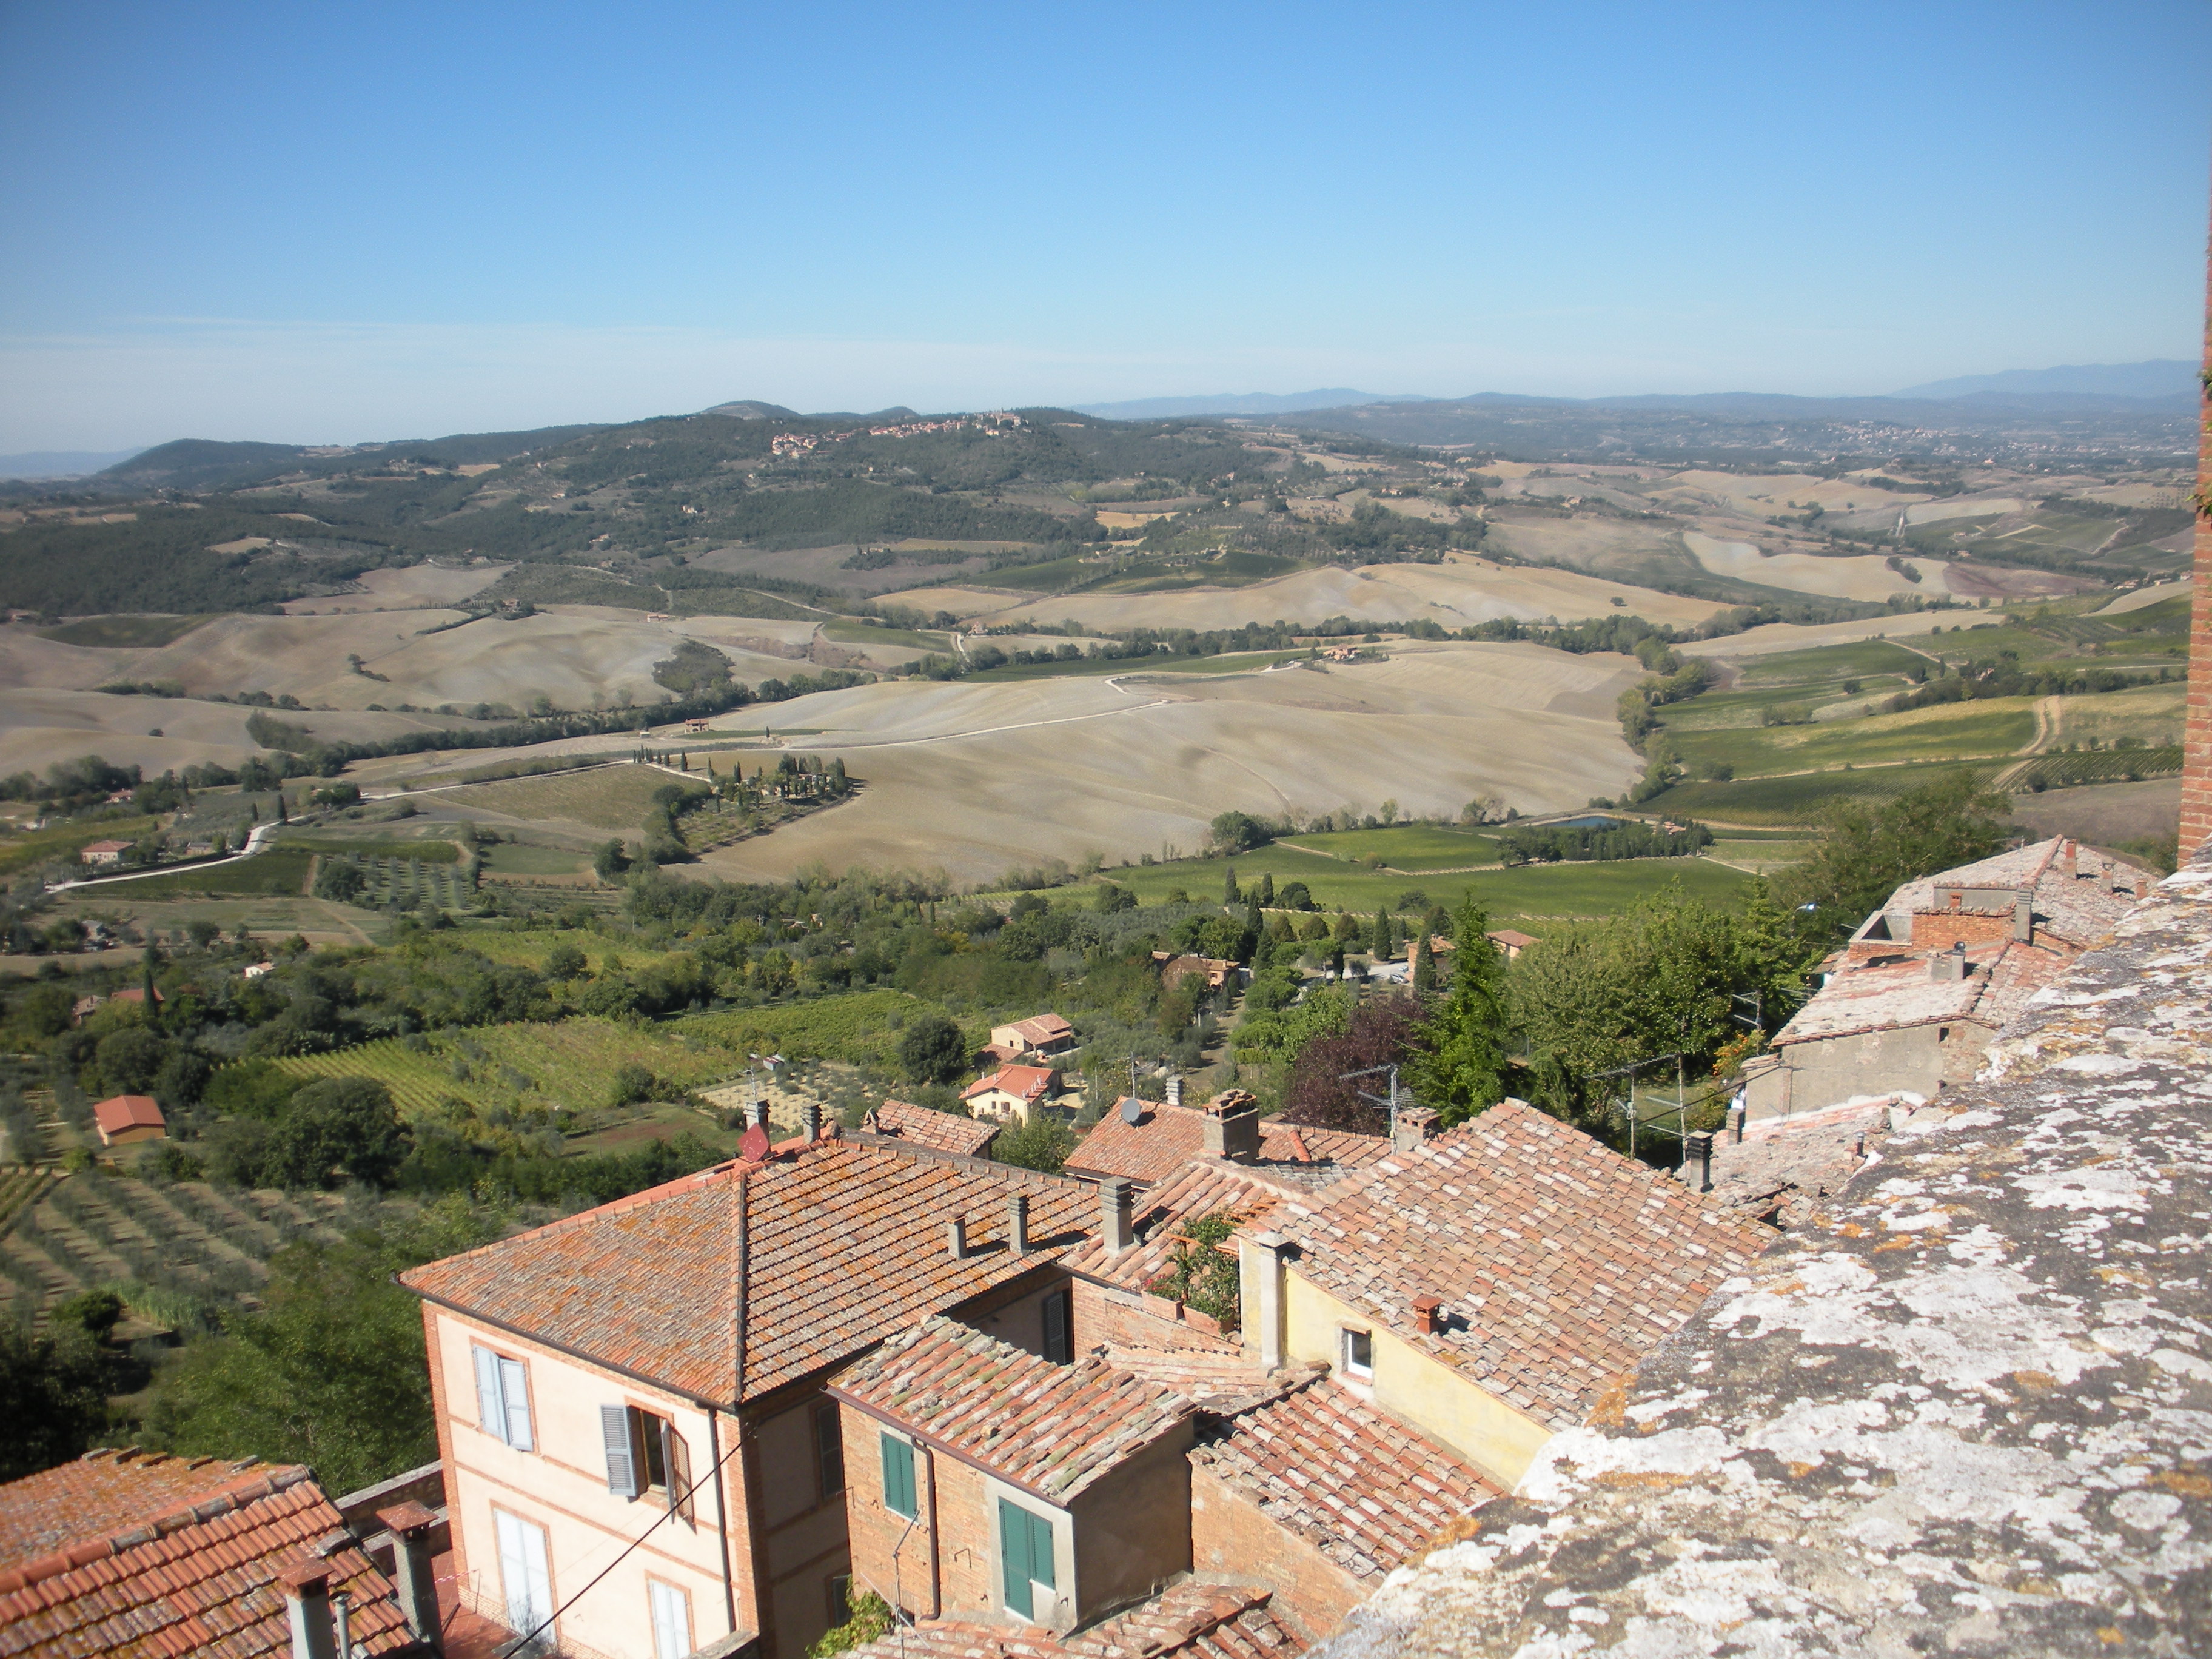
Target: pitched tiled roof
1052	1429
943	1131
1027	1083
2081	907
1359	1486
1560	1262
1207	1187
1165	1138
196	1580
843	1242
1199	1620
1890	996
122	1112
1216	1378
105	1491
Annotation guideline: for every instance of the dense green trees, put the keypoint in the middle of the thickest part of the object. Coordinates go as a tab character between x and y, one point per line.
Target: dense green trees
931	1050
1462	1061
53	1389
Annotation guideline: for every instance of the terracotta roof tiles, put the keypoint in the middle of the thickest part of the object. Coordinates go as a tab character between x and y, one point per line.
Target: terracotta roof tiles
1203	1189
191	1580
1560	1263
924	1126
840	1242
1202	1620
1050	1428
1362	1488
1165	1138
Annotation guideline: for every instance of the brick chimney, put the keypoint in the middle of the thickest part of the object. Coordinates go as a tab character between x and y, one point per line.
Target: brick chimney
410	1524
307	1585
1116	1214
1233	1127
1018	1224
1697	1161
1426	1310
2069	851
1415	1125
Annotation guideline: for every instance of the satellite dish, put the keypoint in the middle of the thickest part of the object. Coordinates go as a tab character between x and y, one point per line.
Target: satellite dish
1132	1110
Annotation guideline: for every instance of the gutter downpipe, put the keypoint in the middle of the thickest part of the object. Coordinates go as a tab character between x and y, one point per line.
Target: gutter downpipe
721	1519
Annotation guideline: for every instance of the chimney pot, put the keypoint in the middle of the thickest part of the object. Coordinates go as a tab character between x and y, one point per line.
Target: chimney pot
1233	1127
1426	1310
1697	1161
1018	1224
306	1586
1116	1214
411	1571
757	1114
811	1116
1415	1124
955	1238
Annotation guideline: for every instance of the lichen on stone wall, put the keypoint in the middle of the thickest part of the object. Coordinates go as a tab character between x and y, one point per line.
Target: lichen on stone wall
1966	1408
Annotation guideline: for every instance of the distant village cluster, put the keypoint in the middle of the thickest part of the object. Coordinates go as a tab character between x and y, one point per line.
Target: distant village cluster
789	445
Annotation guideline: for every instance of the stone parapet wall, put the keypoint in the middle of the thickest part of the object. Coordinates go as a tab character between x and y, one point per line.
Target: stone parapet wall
1965	1409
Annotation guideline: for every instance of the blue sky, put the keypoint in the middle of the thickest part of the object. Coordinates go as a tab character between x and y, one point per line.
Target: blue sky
324	223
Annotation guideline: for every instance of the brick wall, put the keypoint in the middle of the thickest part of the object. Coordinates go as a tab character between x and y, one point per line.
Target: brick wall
1127	1320
1231	1541
2196	739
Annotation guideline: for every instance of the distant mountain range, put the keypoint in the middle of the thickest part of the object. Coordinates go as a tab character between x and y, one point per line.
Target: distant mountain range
2160	377
39	463
1243	403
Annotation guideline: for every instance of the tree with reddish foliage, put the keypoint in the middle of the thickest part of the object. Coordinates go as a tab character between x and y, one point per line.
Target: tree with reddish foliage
1381	1033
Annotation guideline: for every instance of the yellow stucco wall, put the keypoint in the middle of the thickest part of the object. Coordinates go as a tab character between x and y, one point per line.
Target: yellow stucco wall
1442	1402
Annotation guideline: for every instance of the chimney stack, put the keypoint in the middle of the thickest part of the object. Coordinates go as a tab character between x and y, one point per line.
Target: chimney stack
410	1524
2023	916
1735	1116
1415	1124
955	1238
1697	1161
1174	1092
307	1584
2068	854
810	1116
1116	1214
1951	964
1233	1127
342	1605
1018	1224
1425	1311
757	1114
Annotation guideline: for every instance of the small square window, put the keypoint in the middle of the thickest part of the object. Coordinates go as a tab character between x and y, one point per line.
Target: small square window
1360	1354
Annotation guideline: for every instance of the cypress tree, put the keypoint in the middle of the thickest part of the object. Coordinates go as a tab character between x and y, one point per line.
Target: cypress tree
1229	893
1266	888
1425	966
1380	938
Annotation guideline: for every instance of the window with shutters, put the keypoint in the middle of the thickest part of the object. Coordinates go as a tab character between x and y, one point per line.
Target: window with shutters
828	1452
1059	1326
502	1398
1025	1560
898	1478
647	1458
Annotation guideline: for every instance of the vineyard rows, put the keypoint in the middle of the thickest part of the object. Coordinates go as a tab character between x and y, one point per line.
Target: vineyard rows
2097	766
406	883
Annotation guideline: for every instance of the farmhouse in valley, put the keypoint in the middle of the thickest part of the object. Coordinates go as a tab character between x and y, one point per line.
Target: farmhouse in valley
1012	1092
1045	1035
123	1120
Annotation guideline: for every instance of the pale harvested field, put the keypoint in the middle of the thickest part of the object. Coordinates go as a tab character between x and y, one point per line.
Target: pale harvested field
2103	814
2142	597
1789	636
975	778
1769	495
417	588
2153	713
40	725
1861	578
1463	589
26	659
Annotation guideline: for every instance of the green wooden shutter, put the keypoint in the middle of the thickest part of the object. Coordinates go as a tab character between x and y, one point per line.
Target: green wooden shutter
898	1477
1025	1550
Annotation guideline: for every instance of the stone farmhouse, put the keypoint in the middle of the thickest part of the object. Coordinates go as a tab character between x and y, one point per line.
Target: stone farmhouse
1910	1006
1046	1035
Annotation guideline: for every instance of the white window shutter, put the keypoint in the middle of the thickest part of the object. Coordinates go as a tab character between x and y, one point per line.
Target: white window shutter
491	1413
621	1462
514	1394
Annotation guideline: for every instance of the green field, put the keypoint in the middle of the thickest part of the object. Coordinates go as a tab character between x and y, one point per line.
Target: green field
860	1028
852	632
1990	728
532	948
1797	800
513	858
280	870
1545	889
614	798
1243	662
1412	847
428	851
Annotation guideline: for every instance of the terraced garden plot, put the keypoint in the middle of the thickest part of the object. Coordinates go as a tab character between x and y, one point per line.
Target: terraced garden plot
1415	846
